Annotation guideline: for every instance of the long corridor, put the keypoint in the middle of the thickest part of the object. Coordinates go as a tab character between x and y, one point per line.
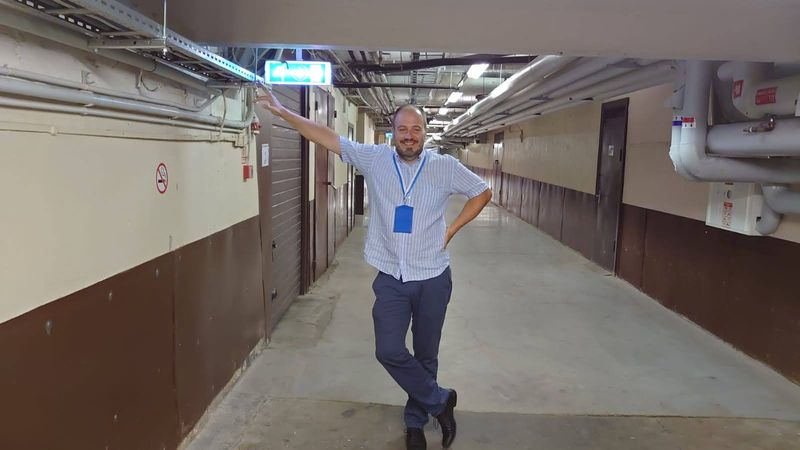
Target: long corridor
547	351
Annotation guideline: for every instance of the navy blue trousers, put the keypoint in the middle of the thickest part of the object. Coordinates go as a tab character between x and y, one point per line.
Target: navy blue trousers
423	304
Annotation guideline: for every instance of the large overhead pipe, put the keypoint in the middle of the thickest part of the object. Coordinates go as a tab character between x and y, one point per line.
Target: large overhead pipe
392	102
581	73
376	106
757	91
374	66
566	102
691	157
766	138
538	69
648	76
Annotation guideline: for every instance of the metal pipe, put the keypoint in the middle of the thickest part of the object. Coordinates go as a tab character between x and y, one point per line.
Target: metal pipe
89	111
375	107
13	18
778	200
781	199
382	77
441	62
67	95
389	94
375	84
692	150
541	67
768	221
381	92
32	76
736	140
527	103
648	76
584	71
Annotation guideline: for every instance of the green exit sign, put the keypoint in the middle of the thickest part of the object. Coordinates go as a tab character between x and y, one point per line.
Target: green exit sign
298	72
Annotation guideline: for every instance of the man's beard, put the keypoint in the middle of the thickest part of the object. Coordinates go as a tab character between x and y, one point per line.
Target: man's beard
409	151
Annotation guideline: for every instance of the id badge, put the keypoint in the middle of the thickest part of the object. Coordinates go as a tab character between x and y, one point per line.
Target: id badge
403	219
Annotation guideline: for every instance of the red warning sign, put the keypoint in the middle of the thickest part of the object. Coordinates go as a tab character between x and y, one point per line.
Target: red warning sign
767	96
162	178
738	88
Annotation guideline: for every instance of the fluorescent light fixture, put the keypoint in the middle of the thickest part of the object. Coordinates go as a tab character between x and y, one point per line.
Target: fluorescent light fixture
444	111
454	97
477	70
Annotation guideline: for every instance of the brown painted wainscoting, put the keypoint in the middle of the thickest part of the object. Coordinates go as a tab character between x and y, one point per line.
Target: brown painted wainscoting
742	289
133	361
567	215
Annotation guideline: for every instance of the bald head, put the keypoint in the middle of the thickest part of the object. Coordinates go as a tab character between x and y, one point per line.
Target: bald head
408	108
409	125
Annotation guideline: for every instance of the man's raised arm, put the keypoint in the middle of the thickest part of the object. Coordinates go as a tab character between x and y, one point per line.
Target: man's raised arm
311	130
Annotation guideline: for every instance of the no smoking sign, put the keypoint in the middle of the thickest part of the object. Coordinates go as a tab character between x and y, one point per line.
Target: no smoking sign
162	178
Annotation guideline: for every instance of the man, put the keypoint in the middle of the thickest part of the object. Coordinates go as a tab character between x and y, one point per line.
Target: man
406	242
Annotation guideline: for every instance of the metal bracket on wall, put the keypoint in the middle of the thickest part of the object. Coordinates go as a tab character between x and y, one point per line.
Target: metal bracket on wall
113	25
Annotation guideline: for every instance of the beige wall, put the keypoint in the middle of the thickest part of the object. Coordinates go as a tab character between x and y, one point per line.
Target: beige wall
79	196
346	115
650	179
558	148
479	155
365	129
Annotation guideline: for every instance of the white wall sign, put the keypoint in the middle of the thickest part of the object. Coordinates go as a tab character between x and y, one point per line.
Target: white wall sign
265	155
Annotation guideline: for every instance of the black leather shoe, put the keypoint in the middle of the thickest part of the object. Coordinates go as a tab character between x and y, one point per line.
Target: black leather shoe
415	439
447	420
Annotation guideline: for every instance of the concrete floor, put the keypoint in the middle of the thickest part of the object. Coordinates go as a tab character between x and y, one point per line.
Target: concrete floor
547	351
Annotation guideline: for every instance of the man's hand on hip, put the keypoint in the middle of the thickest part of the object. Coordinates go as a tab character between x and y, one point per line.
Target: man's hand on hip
447	236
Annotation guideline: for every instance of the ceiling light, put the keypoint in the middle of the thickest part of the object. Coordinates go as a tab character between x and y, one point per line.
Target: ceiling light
454	97
477	70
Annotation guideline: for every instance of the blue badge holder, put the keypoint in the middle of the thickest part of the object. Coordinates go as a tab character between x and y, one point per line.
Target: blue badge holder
403	219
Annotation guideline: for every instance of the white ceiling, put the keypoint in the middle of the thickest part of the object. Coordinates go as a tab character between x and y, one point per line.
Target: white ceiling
765	30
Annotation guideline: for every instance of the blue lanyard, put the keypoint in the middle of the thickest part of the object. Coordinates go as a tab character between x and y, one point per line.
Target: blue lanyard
406	193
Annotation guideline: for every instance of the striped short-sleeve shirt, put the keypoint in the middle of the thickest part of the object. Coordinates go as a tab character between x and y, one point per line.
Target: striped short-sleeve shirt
418	255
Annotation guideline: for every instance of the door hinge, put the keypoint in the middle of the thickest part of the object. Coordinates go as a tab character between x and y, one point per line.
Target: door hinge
274	294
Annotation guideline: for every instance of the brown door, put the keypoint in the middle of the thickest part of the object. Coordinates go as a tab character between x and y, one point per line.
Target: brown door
351	199
358	195
265	212
610	171
334	195
497	170
286	163
324	214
